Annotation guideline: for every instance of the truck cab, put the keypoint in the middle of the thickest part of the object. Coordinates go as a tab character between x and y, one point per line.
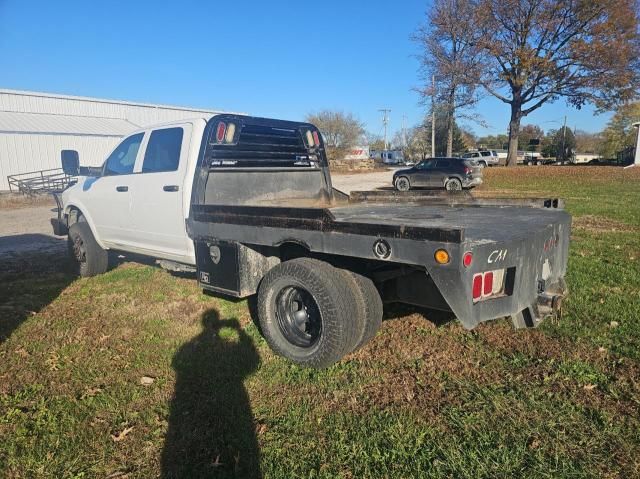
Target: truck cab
139	199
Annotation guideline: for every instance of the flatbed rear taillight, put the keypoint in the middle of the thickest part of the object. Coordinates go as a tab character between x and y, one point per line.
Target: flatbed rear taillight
487	285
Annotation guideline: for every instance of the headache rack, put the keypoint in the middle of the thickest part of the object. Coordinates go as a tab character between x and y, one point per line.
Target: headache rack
261	143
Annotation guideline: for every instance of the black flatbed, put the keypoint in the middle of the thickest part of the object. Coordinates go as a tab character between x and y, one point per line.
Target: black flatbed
465	220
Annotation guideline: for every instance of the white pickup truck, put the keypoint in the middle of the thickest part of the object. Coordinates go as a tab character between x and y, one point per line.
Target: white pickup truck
139	199
247	203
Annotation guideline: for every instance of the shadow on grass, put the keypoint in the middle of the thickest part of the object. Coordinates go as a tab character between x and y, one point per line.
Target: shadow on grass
31	277
401	310
211	428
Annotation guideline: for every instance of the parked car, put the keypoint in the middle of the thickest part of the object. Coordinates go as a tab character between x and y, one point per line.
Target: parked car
247	205
484	157
452	174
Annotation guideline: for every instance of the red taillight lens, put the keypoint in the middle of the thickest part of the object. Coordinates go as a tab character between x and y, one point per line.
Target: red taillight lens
488	283
467	170
477	287
222	128
316	138
467	259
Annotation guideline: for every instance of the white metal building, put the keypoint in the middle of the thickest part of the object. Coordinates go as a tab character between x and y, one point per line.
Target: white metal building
35	127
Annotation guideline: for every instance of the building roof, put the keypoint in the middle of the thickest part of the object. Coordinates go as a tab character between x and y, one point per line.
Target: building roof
48	124
103	100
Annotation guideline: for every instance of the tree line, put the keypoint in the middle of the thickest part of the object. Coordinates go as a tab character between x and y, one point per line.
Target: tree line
528	53
525	53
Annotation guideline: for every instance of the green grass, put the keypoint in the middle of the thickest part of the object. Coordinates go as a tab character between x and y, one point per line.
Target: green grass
418	401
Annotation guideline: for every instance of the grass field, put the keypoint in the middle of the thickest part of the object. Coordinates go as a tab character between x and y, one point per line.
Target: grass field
136	373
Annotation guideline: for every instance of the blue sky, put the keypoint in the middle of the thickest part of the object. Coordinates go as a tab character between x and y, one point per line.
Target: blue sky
268	58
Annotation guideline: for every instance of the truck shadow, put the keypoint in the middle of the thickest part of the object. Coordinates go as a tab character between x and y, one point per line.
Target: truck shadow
400	310
211	428
33	272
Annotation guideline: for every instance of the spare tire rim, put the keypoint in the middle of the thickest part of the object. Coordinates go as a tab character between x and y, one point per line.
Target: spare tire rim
298	316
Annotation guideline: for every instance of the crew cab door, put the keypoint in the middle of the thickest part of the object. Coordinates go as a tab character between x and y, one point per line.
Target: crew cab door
158	205
107	198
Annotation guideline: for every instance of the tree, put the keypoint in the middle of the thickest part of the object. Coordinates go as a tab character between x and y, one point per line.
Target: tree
528	133
418	142
538	51
443	142
619	133
375	142
590	143
449	56
341	131
562	144
494	142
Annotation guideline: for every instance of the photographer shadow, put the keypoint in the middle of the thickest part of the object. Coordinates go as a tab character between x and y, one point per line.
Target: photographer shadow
211	428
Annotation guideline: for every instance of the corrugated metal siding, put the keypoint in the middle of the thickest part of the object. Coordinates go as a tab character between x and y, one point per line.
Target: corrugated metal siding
35	127
138	113
27	123
24	153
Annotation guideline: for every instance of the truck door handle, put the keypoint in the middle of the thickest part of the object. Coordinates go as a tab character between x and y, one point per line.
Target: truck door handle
122	188
170	188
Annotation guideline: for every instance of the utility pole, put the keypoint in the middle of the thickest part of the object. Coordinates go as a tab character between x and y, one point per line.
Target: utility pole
564	134
385	122
404	134
433	116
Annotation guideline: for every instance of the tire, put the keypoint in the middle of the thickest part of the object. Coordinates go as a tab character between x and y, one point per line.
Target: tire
483	164
329	326
403	184
369	308
89	259
453	184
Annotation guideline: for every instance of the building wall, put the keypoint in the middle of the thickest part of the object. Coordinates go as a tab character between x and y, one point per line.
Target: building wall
35	127
139	114
22	153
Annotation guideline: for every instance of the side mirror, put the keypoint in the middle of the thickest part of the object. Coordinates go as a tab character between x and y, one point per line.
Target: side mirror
70	162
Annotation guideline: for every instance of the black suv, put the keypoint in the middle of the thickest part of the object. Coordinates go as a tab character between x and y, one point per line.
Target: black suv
452	174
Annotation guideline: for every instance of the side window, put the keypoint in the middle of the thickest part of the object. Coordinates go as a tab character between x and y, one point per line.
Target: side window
123	158
443	164
163	150
427	164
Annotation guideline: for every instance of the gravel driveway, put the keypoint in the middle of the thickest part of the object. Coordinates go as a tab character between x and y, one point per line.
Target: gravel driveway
27	229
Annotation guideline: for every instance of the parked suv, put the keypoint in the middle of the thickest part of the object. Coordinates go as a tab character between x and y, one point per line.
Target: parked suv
484	158
452	174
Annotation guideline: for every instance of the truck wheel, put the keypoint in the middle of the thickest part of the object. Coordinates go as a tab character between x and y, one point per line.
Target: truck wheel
306	310
369	305
453	184
483	164
402	184
88	257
